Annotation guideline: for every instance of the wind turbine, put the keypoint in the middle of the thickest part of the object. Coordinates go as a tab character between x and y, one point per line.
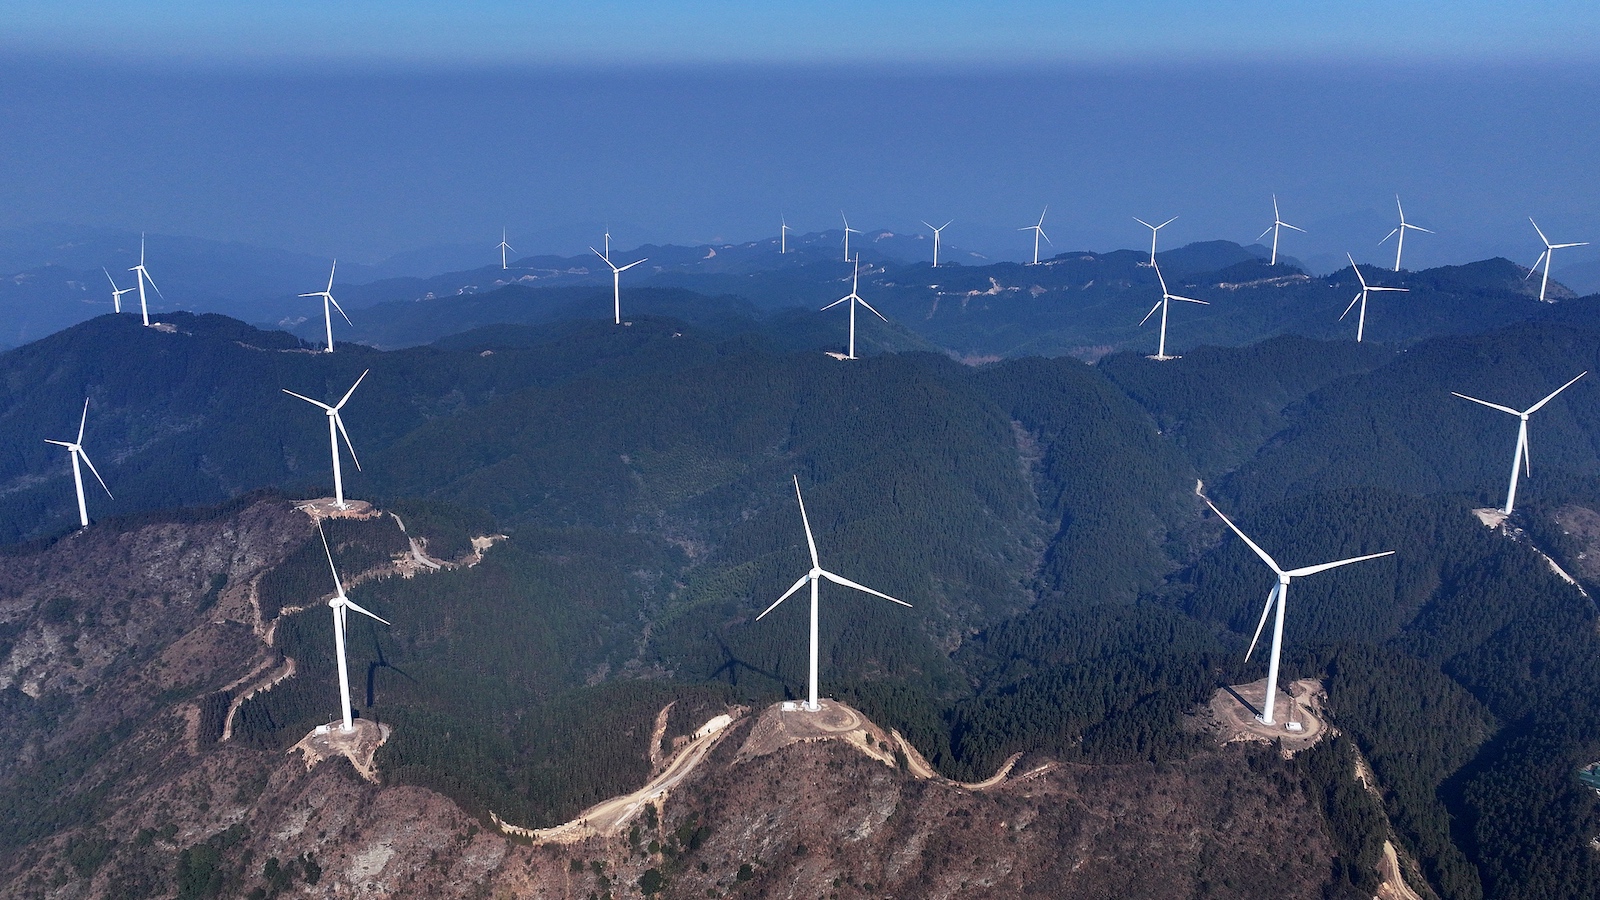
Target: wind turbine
76	449
1153	230
936	240
1401	231
1544	257
847	231
1161	304
616	280
854	298
818	572
1361	321
503	248
1038	232
141	276
335	429
1520	457
116	292
327	298
783	236
1277	223
1280	594
341	605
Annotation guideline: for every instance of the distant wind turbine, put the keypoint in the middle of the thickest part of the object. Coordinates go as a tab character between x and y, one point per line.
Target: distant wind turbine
503	248
847	232
1280	595
1361	321
854	298
1400	230
327	298
75	448
616	282
341	606
1519	459
1153	230
1161	304
1038	232
116	292
335	429
783	235
818	572
1277	223
936	239
141	276
1544	257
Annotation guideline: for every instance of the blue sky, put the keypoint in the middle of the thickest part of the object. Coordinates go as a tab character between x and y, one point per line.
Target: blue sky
361	130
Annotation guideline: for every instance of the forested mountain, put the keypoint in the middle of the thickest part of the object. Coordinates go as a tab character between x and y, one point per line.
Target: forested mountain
1071	598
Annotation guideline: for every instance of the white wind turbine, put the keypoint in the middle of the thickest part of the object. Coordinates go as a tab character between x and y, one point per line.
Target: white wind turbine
341	605
616	280
141	276
1544	257
1038	232
503	247
1277	223
1519	459
783	236
1161	304
335	429
76	449
327	298
1153	230
1401	231
1361	321
1280	595
854	298
847	231
116	292
818	572
936	239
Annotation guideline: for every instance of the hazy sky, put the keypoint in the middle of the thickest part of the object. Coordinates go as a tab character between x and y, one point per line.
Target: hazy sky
368	129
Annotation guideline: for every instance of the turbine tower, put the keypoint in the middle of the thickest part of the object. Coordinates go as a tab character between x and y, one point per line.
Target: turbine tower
847	231
1519	459
1280	595
1400	230
1277	223
936	239
1544	257
341	605
327	298
854	298
75	448
1153	230
1361	321
142	275
616	280
1161	304
783	235
503	248
818	572
335	429
116	292
1038	232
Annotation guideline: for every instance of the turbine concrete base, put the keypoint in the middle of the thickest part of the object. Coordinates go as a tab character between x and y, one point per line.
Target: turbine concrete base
358	745
1233	715
326	508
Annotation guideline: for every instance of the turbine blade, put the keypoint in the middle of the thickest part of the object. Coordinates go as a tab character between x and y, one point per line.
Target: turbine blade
68	444
1390	235
1573	244
1295	227
836	303
312	294
1532	409
874	312
1152	311
1162	278
1401	290
307	399
353	605
1166	223
153	284
346	398
331	270
110	279
97	477
1253	546
786	594
1540	230
602	256
1144	223
346	435
1527	461
632	264
83	419
1358	269
1420	228
1189	300
1267	232
1352	305
1536	263
339	585
841	580
1265	610
925	222
806	521
945	225
1312	570
1046	237
340	309
1504	409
